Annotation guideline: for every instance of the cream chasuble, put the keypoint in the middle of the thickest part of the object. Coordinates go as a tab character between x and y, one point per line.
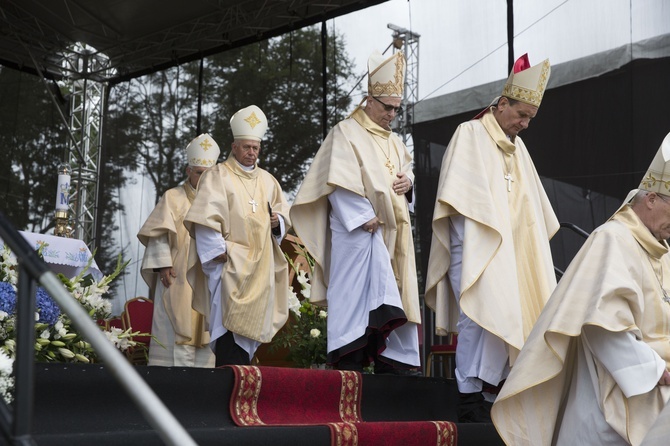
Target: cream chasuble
613	284
168	242
353	144
254	281
507	270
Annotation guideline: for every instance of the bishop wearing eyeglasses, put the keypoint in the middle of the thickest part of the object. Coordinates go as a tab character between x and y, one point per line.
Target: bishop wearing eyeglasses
352	213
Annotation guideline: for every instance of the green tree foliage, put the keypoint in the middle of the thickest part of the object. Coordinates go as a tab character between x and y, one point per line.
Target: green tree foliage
33	144
35	141
283	77
156	115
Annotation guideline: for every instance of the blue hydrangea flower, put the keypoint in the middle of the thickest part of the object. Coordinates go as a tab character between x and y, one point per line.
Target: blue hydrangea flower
7	298
47	308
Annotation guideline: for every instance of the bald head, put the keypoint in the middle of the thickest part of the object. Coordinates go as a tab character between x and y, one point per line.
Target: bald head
653	209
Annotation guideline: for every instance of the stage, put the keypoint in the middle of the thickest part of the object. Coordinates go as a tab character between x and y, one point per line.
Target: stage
83	405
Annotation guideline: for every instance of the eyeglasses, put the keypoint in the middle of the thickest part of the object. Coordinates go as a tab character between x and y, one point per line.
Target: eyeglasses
388	108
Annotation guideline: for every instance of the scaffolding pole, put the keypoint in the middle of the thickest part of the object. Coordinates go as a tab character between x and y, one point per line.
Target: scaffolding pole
84	152
408	42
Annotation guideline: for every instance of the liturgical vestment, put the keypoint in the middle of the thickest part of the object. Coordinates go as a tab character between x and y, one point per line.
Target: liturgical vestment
254	289
572	383
507	270
355	271
174	322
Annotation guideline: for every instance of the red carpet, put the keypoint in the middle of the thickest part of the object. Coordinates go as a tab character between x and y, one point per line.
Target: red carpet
274	396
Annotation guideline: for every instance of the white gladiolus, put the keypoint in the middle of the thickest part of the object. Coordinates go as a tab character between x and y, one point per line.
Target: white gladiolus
293	302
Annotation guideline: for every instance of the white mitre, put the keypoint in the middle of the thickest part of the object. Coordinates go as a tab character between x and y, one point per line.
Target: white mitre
249	123
386	76
657	178
202	151
526	83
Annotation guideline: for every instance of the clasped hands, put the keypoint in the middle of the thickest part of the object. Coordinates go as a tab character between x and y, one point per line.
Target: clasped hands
402	184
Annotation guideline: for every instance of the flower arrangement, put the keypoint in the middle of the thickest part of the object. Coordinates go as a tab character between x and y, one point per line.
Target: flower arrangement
305	334
55	337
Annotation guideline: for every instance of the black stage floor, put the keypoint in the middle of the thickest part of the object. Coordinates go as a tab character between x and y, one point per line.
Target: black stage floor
84	405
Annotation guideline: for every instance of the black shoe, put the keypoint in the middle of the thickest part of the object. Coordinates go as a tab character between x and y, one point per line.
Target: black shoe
400	372
227	352
383	368
473	408
350	366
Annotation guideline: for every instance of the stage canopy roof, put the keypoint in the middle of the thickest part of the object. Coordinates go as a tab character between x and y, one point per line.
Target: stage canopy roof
144	36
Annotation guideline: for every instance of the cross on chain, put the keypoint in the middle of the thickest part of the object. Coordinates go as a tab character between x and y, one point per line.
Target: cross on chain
508	178
253	204
389	166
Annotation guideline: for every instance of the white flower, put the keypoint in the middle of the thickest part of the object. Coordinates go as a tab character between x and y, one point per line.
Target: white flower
306	291
6	364
60	329
293	302
302	277
66	353
323	314
45	334
3	315
121	339
6	380
315	332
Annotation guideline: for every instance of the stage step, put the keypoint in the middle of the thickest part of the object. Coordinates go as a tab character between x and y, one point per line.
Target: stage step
83	405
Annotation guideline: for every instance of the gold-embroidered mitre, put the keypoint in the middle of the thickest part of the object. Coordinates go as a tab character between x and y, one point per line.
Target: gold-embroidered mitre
386	76
249	123
657	178
202	151
526	83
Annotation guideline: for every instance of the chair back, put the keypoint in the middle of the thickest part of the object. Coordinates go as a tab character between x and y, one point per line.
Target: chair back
116	322
138	315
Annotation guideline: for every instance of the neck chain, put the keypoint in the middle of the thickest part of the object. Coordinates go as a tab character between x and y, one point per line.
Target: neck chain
252	202
665	298
389	165
508	175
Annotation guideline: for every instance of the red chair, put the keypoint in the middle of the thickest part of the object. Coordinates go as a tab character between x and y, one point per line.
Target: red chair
116	322
446	353
138	315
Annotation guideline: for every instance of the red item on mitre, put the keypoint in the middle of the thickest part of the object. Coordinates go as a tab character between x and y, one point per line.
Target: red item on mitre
522	63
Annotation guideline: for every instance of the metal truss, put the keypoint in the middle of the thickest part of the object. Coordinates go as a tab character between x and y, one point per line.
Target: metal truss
86	116
408	42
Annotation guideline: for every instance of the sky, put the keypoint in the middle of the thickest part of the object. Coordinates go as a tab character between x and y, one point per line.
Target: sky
462	44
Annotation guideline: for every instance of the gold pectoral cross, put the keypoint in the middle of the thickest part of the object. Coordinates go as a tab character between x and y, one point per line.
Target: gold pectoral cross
508	178
389	166
253	204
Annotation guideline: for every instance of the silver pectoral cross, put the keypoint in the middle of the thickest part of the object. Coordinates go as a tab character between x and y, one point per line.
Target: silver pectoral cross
666	298
508	178
253	204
